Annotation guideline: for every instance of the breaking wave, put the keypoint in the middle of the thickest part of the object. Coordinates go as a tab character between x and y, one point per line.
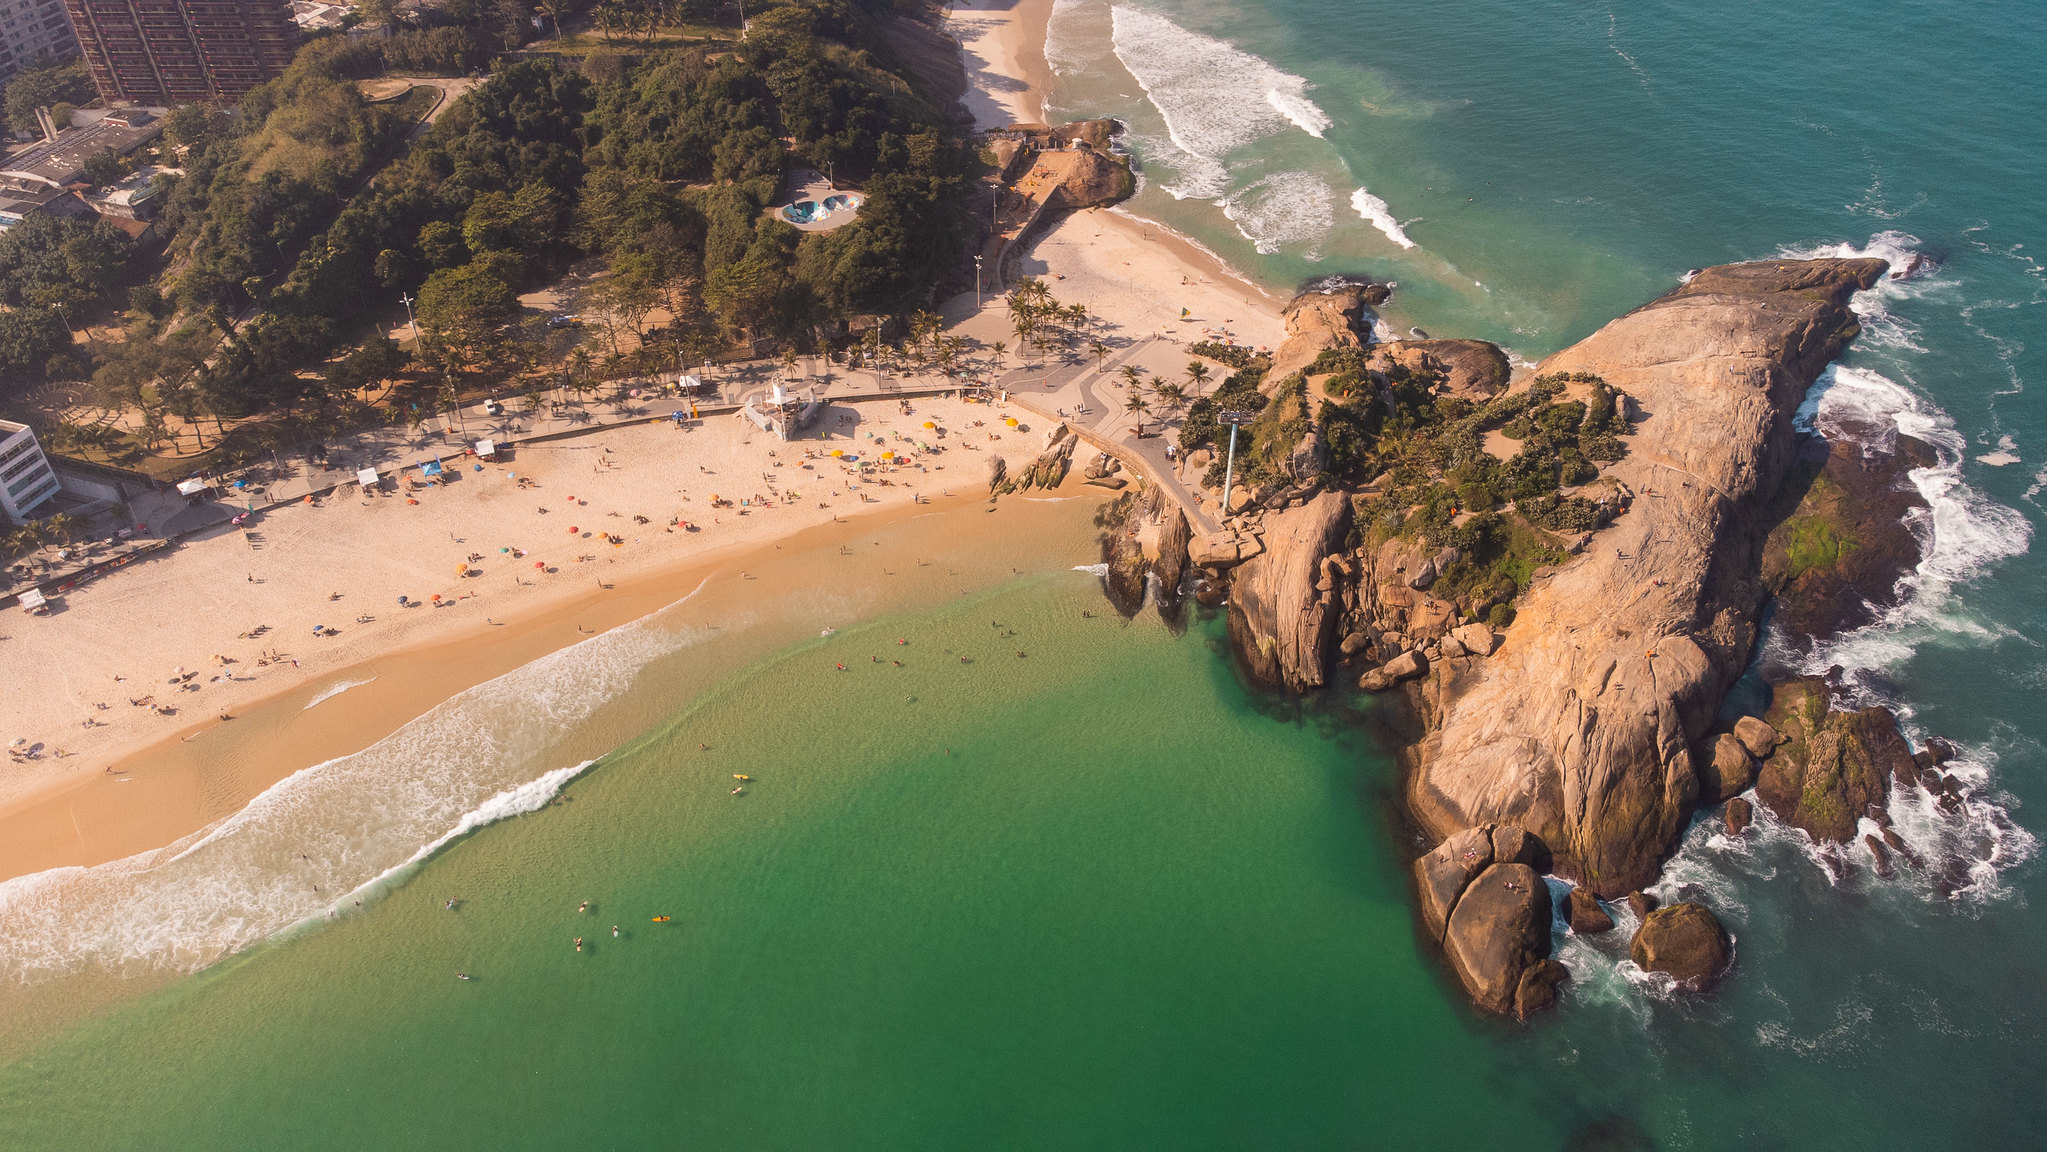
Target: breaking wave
1215	99
1282	209
294	851
335	689
1379	214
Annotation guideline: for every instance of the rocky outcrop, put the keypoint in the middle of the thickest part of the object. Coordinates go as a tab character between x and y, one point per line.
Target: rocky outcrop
1096	177
1581	727
1833	765
1223	549
1835	560
1049	469
1471	369
1315	321
1282	605
1684	941
1144	540
1484	901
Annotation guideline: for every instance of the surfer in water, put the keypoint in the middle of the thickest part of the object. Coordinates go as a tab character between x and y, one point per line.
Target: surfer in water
579	943
450	905
614	931
461	975
583	907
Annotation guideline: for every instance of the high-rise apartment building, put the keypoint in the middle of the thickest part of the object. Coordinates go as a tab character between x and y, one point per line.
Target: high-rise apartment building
163	52
32	28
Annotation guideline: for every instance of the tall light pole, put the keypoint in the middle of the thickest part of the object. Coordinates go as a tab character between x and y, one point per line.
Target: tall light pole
410	320
977	283
1233	419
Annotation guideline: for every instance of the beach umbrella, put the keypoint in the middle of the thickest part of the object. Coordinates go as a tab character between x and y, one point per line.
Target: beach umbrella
540	563
241	483
1009	420
573	530
437	597
307	500
402	599
504	550
461	567
839	452
929	424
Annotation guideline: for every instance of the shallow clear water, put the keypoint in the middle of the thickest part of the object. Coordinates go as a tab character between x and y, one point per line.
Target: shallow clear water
1092	896
1098	896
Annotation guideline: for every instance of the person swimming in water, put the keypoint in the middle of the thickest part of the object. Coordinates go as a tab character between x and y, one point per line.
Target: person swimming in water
579	943
583	907
614	931
461	975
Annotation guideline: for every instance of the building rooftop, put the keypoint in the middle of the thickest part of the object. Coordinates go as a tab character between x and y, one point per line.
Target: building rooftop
56	163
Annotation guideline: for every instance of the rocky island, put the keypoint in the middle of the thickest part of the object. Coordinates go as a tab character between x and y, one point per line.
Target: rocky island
1555	582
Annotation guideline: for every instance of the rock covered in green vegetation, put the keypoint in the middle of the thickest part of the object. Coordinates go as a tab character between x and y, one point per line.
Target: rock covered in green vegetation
1833	764
1836	558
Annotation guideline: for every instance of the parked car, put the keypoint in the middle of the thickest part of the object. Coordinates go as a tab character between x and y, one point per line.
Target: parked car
492	408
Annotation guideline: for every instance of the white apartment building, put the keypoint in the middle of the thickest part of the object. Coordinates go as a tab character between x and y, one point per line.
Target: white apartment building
26	478
32	28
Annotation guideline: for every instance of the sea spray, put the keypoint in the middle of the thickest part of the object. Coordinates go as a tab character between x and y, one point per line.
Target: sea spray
325	829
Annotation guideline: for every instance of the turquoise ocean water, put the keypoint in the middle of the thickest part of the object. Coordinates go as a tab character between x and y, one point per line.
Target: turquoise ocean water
1098	896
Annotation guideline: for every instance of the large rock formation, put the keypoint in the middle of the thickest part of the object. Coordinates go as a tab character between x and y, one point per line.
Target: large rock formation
1833	764
1483	900
1330	318
1282	601
1581	727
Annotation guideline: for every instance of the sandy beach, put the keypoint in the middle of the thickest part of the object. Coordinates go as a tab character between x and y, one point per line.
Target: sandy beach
131	680
152	657
1002	44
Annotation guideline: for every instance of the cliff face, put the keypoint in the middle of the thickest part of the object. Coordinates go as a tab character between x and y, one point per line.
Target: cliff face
1580	729
1283	601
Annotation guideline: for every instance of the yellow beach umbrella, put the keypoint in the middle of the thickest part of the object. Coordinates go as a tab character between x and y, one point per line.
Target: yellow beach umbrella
929	424
1009	420
838	452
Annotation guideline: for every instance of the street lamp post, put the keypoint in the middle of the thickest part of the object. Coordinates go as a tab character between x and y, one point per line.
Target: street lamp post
977	283
410	320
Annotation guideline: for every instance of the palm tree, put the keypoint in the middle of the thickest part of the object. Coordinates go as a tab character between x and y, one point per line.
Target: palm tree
998	350
1197	374
1137	406
1171	395
1099	349
1132	376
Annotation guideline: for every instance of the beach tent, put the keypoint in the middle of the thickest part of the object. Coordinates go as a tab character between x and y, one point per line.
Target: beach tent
486	448
430	468
688	383
192	487
367	477
32	600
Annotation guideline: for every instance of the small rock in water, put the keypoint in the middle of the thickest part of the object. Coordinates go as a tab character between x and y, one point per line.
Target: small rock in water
1587	917
1740	814
1684	941
1641	904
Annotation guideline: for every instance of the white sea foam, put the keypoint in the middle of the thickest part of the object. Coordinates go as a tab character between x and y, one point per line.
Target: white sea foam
1214	98
1911	276
1283	209
335	825
531	796
336	689
1378	214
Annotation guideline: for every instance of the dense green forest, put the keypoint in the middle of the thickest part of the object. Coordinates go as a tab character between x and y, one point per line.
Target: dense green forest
309	214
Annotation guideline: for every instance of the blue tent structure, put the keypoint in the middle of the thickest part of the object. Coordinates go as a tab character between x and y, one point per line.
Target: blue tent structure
430	468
